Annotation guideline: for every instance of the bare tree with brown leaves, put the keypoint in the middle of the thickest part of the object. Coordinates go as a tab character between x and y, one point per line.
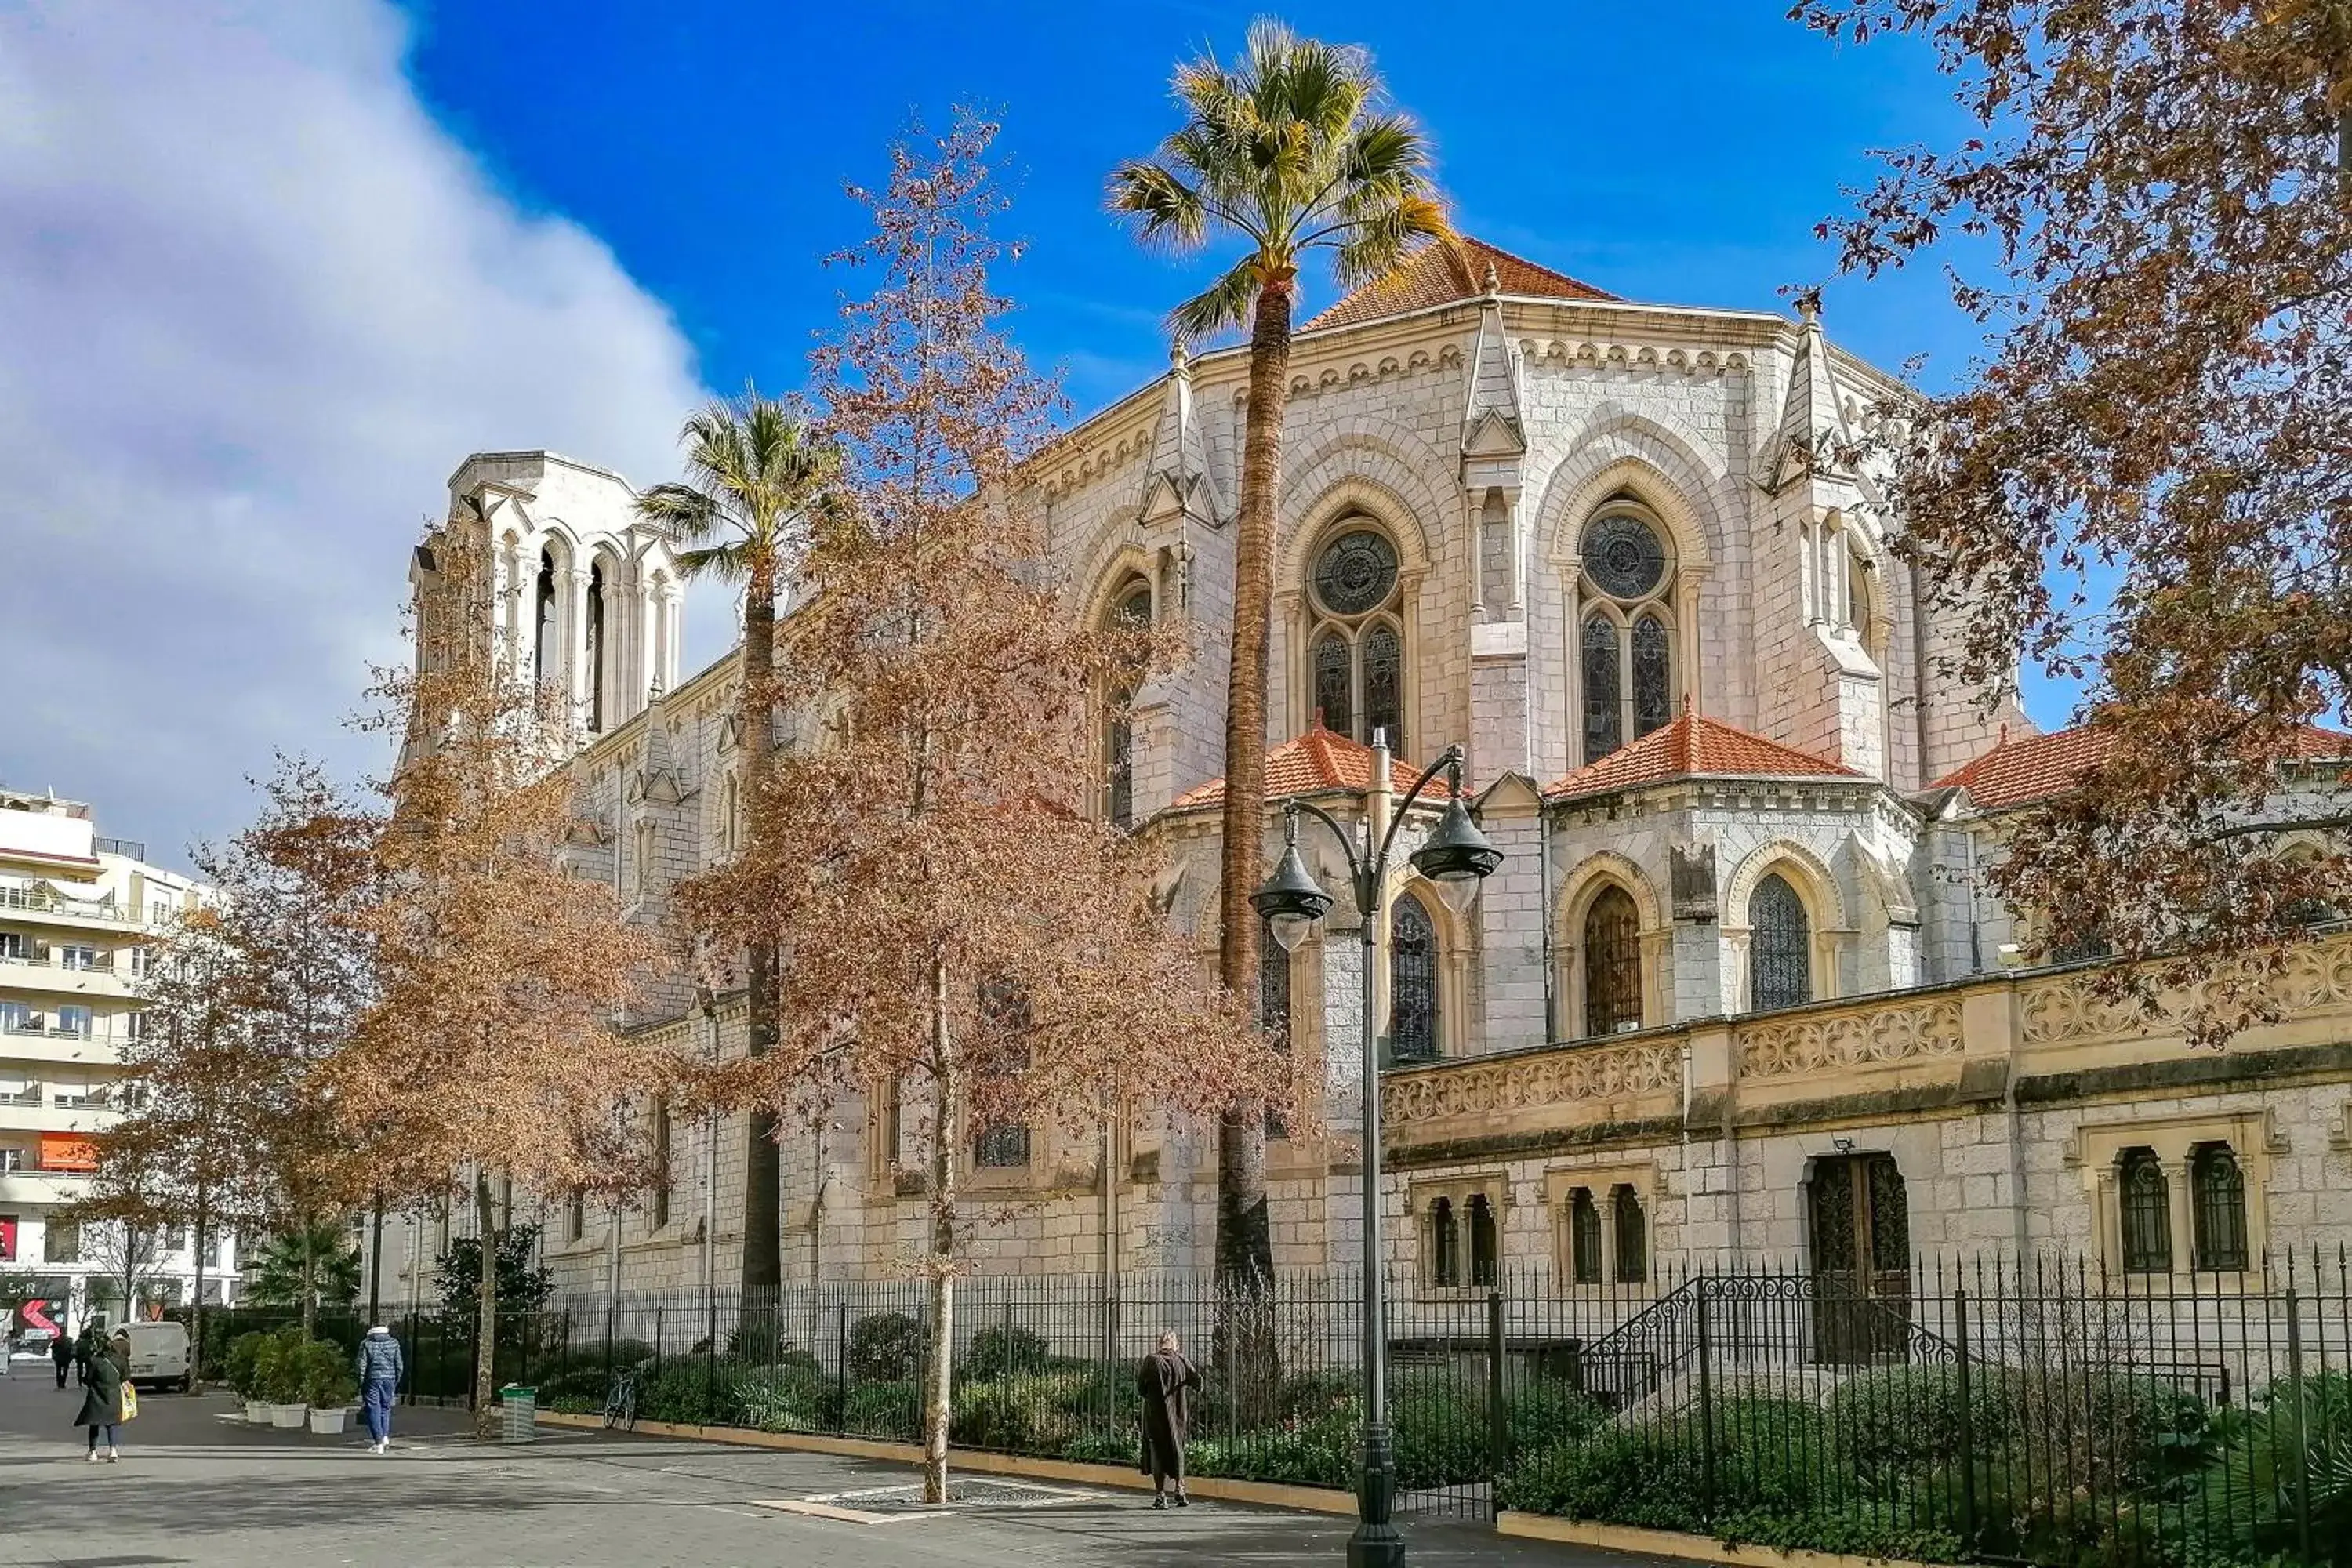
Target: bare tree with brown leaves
2167	186
491	1045
951	924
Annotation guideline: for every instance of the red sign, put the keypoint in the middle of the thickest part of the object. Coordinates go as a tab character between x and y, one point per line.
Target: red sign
7	1238
65	1151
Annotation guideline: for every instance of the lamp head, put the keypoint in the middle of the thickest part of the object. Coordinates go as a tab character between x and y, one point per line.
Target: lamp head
1290	901
1456	858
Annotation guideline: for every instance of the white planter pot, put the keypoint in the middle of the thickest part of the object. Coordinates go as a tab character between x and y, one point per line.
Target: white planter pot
287	1415
327	1421
256	1412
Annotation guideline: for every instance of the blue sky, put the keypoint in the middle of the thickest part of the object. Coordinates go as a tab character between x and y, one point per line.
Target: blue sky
273	267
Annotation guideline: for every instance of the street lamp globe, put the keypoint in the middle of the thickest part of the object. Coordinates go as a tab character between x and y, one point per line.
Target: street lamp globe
1456	858
1290	901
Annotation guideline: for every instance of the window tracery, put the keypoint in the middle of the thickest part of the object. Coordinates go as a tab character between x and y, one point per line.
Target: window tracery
1355	658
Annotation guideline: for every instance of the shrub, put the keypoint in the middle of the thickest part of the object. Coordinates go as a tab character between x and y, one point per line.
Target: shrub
1001	1350
327	1380
886	1347
243	1364
1308	1451
1015	1416
890	1409
1894	1419
680	1391
1441	1426
1621	1476
1545	1413
583	1371
776	1398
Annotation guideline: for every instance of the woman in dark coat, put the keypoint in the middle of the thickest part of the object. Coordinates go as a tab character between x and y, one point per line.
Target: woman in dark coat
101	1403
1166	1380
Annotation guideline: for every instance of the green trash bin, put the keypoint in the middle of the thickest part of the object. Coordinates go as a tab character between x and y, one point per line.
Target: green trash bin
520	1423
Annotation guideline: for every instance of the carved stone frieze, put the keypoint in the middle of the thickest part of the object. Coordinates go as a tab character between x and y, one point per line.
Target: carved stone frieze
1900	1032
1556	1077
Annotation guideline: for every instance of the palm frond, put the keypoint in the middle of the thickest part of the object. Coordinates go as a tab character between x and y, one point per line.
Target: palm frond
1225	303
682	507
728	563
1174	215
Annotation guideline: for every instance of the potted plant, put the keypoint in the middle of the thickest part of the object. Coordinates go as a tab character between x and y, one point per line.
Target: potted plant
328	1384
280	1368
243	1366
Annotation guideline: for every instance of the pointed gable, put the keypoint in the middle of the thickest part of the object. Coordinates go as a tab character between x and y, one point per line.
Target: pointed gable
1693	747
1177	479
1492	425
1812	423
1319	762
1444	273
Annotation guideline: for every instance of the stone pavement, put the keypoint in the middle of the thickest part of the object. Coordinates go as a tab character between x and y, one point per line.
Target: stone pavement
192	1488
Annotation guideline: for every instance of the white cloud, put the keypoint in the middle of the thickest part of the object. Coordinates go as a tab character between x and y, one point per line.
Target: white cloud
255	307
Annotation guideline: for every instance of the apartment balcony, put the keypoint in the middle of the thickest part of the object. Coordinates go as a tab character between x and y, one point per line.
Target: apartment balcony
49	972
40	906
55	1113
98	1047
33	1189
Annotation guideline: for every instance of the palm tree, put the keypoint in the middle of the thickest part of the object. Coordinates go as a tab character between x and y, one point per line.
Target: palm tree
308	1267
1289	150
753	468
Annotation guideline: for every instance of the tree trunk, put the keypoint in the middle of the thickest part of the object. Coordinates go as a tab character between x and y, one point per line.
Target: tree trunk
939	1367
309	1239
196	1310
1245	1244
763	1254
375	1263
486	1315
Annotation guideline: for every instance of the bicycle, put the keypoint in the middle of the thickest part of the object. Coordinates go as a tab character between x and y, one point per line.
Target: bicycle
620	1403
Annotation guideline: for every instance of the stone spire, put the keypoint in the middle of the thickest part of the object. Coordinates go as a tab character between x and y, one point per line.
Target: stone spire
1178	481
1491	426
1814	428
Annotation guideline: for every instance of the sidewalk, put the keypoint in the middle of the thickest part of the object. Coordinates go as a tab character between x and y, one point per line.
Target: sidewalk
195	1490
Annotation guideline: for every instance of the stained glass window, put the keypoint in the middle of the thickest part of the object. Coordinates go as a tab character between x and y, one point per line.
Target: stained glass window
1383	680
1485	1245
1604	729
1121	745
1356	573
1002	1148
2145	1214
1623	556
1779	946
2217	1191
1633	1237
1273	1005
1612	963
1654	676
1583	1237
1334	683
1413	983
1130	611
1444	1244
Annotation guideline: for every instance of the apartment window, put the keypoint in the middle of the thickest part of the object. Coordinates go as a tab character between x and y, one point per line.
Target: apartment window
12	944
73	1020
63	1244
2217	1191
77	957
2146	1213
12	1159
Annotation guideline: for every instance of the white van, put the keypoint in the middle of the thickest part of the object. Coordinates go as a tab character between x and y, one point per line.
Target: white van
159	1354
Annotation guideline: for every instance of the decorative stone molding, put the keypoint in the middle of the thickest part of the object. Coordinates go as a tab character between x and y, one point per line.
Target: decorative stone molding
2067	1009
1630	356
1563	1077
1900	1033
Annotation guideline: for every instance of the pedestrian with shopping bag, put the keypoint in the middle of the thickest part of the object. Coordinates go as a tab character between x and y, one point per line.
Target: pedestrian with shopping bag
103	1392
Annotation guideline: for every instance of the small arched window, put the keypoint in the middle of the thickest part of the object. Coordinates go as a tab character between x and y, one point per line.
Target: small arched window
730	819
1781	946
1612	963
2217	1191
1633	1237
1130	610
2145	1213
1274	1007
546	658
1626	645
1356	642
1444	1244
1583	1237
1413	983
1486	1242
597	646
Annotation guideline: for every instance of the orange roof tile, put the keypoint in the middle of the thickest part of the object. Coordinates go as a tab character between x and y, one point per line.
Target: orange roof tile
2021	769
1694	747
1440	274
1319	760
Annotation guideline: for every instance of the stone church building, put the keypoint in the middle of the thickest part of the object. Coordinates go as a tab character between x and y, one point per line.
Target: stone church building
1738	989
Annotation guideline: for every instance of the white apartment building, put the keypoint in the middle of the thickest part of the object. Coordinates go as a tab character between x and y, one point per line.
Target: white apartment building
77	913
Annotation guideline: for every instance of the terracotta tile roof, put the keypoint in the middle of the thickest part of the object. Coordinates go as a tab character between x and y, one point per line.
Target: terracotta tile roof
1440	274
2020	768
1319	760
1694	747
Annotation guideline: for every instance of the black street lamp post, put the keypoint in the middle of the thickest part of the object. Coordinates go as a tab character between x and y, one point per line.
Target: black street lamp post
1456	858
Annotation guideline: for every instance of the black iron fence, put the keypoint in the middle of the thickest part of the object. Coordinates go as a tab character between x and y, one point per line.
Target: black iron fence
2039	1412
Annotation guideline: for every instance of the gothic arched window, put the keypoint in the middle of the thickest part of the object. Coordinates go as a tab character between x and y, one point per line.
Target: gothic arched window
1632	1236
1583	1237
1130	610
1485	1244
1356	657
1444	1244
1413	983
2145	1211
1612	963
545	656
1779	946
1274	1007
1627	640
597	646
2217	1195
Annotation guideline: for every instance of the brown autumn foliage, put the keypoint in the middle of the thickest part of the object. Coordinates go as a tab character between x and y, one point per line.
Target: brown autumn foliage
951	922
491	1045
2167	187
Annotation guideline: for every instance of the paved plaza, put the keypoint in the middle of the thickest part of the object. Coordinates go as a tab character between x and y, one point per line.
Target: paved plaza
194	1489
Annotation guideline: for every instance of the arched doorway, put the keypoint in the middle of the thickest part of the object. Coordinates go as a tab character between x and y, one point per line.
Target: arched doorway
1860	1228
